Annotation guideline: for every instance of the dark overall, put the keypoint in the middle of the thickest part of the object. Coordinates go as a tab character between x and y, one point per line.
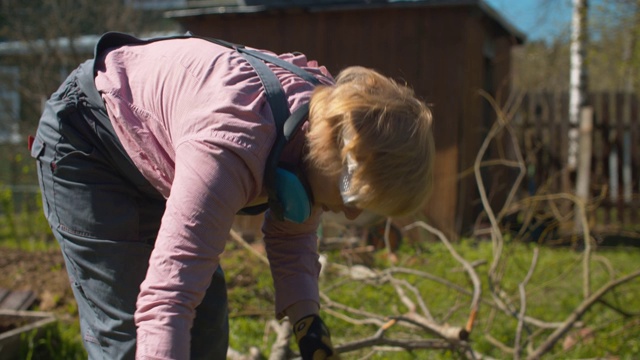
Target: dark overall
106	216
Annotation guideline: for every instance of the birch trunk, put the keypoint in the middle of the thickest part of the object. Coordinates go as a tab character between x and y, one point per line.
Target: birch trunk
577	103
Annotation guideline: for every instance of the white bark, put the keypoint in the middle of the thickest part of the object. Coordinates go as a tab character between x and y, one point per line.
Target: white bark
583	175
578	77
580	118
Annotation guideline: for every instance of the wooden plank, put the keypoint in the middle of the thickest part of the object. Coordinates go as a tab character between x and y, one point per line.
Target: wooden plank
542	125
612	154
16	299
625	150
620	105
604	153
563	111
3	294
34	325
560	142
634	129
535	109
610	158
597	169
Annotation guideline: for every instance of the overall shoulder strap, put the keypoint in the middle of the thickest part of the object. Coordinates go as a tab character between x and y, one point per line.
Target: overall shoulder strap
115	39
286	123
264	57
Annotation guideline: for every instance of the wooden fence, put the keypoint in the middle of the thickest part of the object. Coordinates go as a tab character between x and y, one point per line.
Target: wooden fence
543	126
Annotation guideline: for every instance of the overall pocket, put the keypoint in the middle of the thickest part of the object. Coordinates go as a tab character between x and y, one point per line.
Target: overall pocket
91	200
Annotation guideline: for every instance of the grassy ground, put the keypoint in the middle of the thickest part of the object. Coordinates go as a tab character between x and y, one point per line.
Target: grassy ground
611	327
554	291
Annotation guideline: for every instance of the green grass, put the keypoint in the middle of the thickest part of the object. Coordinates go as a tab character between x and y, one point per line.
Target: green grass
553	292
22	223
59	341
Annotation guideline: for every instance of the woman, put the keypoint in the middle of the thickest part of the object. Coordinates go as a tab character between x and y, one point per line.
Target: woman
147	152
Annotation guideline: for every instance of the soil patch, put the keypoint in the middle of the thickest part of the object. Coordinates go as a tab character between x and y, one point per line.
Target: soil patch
42	272
8	323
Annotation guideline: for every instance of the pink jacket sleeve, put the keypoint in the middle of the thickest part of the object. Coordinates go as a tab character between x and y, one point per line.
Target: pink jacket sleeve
292	250
192	236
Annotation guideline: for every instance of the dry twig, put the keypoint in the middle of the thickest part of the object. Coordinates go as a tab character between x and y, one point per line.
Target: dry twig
418	316
475	280
280	349
577	314
523	303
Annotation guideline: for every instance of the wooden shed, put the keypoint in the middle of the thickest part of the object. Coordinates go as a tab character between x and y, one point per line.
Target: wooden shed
445	49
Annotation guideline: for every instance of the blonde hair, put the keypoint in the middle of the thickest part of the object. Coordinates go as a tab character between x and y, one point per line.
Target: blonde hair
389	134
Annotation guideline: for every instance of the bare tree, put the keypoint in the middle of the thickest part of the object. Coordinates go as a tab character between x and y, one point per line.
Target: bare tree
49	43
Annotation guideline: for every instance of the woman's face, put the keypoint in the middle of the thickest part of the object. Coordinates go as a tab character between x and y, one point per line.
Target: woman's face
326	193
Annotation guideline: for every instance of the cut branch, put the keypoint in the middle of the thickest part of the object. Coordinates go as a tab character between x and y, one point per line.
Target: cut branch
523	303
475	280
577	314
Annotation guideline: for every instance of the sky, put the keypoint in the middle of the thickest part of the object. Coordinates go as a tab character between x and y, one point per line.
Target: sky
537	19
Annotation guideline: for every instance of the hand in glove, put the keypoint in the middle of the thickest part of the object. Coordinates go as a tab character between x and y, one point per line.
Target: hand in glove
314	339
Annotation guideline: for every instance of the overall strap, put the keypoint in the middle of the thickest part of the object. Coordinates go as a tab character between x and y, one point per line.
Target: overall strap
273	89
280	110
264	57
286	123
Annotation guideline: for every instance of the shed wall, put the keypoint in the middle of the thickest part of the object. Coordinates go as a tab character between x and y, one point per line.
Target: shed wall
438	51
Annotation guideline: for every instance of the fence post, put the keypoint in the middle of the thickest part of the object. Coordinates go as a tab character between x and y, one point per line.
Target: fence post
583	173
627	182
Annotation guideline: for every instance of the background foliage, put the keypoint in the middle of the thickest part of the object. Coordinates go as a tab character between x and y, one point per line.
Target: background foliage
554	290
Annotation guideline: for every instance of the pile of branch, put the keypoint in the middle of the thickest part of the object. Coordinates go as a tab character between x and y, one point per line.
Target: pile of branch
426	332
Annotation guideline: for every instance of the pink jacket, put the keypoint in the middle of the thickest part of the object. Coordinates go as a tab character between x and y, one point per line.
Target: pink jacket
194	119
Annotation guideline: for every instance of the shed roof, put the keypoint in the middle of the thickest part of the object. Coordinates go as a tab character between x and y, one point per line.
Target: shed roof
224	7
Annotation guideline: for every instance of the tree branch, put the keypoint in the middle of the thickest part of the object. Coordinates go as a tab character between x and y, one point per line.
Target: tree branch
577	314
475	280
523	304
280	348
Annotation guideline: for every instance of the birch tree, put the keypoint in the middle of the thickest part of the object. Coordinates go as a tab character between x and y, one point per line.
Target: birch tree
580	118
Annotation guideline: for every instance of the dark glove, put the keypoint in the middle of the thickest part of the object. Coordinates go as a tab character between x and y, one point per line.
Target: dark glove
314	339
